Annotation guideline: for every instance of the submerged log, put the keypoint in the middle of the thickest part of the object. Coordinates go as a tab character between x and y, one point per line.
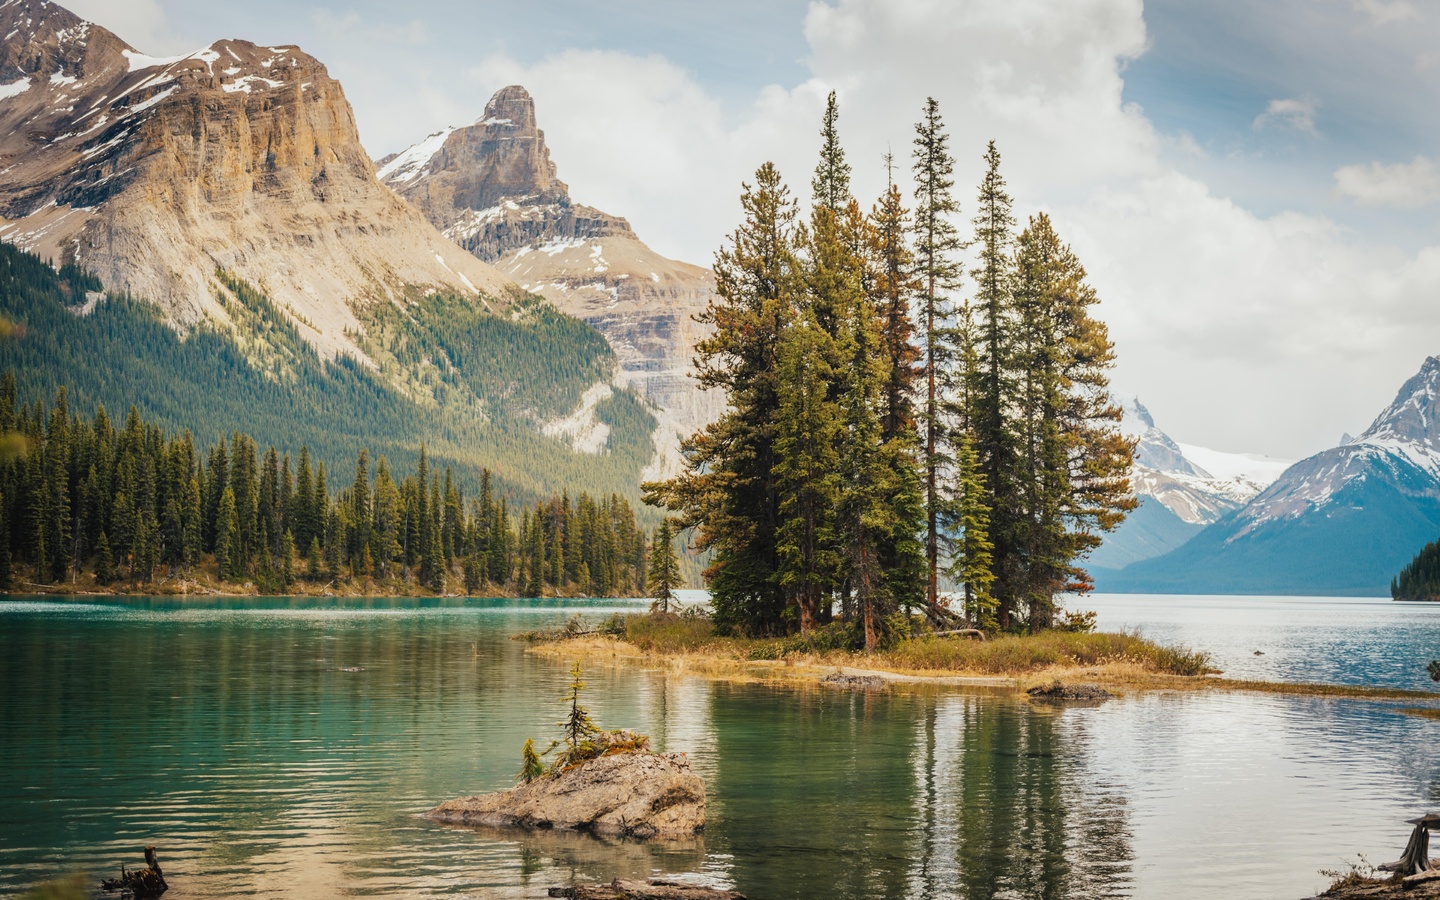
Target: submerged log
141	883
653	889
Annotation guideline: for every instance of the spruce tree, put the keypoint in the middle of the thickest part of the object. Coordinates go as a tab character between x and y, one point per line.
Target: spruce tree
807	477
1073	461
938	275
971	558
287	558
994	379
664	576
227	557
728	490
313	560
104	561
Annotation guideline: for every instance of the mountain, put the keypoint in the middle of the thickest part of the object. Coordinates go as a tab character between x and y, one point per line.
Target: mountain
492	188
225	195
154	173
1341	522
1178	494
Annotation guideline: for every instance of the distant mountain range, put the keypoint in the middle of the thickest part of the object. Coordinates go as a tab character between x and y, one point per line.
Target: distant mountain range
1182	488
1341	522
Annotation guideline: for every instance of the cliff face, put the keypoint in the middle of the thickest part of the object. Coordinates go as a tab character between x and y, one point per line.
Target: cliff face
492	188
153	173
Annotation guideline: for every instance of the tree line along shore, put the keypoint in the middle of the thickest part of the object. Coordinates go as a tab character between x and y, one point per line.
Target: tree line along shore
89	506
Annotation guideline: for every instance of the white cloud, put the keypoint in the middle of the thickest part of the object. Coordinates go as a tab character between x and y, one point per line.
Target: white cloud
1268	334
1386	12
1297	113
1404	185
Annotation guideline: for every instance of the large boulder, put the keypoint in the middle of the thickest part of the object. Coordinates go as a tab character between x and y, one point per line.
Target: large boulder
641	795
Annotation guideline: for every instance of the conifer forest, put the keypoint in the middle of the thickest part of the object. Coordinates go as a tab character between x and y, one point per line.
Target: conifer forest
93	501
899	425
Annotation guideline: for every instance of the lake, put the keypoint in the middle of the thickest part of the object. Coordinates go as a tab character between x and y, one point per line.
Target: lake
284	748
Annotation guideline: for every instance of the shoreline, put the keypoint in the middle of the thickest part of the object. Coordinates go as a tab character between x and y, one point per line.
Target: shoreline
812	669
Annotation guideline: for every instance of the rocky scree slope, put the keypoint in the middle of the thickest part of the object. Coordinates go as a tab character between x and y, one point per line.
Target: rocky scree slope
492	188
1341	522
154	173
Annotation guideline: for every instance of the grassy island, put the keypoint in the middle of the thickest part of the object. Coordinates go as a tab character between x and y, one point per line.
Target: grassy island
690	643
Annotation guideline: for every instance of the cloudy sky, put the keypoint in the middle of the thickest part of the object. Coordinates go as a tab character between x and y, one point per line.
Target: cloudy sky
1252	186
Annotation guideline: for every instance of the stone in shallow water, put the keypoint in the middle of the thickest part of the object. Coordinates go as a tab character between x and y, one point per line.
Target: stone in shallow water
641	795
654	889
1058	691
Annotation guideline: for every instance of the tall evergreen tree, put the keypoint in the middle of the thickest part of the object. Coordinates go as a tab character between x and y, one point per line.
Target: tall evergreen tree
938	273
1073	462
664	575
728	490
227	554
994	380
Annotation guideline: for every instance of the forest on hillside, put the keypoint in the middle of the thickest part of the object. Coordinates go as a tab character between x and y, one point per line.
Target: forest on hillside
478	386
89	502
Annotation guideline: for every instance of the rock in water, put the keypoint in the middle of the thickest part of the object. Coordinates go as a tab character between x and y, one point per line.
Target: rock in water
654	889
1058	691
641	795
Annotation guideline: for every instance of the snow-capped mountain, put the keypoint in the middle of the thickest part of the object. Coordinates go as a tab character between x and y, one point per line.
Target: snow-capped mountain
1197	484
1340	522
1181	488
492	188
154	173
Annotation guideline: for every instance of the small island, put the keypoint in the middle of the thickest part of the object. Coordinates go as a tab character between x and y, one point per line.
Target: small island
606	783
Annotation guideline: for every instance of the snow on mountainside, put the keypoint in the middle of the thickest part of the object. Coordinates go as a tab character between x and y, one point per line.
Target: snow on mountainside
1197	484
492	188
1181	488
1402	446
1343	521
153	173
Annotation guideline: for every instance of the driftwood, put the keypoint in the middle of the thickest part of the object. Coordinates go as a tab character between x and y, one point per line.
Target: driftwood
841	680
654	889
975	633
1416	858
141	883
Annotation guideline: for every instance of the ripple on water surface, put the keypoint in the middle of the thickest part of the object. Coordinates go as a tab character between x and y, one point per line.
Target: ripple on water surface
279	750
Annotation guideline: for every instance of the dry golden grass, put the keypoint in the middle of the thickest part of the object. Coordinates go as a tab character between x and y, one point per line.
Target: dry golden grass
1014	662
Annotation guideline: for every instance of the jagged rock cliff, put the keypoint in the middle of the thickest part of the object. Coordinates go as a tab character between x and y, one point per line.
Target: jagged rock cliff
492	188
153	173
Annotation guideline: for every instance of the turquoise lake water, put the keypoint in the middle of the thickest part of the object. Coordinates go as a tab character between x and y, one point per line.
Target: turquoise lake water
284	748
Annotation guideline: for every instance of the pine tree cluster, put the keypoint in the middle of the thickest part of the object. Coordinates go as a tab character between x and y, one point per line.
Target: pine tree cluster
886	430
1420	579
131	502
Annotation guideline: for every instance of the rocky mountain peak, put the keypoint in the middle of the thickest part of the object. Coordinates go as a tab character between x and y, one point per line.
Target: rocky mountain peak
154	172
491	186
1154	449
1414	416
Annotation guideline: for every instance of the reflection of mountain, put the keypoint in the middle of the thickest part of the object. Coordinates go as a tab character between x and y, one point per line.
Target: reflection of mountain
1341	522
1181	488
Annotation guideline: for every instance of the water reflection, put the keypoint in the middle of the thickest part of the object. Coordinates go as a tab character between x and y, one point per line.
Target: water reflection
287	749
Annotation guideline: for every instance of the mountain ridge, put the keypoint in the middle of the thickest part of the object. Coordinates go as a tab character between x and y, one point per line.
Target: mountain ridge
492	187
1342	521
153	173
